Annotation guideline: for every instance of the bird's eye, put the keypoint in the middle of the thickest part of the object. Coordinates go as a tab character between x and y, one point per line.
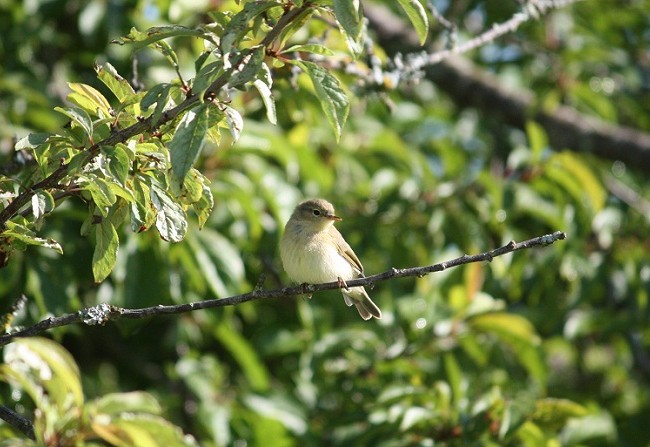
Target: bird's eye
316	212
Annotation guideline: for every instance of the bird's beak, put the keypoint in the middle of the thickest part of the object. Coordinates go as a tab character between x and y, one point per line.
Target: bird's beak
333	217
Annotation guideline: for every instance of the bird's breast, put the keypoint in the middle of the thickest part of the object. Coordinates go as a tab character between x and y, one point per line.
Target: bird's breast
313	259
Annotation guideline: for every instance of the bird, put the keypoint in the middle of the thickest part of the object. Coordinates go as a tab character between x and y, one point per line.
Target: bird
313	251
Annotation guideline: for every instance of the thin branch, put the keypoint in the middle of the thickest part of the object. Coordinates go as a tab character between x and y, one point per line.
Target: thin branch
17	421
147	124
470	86
103	313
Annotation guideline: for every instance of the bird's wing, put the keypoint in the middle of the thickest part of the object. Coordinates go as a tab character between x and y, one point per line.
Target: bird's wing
345	250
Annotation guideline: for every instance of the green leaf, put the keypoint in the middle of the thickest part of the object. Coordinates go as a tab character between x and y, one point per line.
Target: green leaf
78	116
537	140
32	141
115	83
140	39
100	191
249	68
554	413
167	51
20	233
171	220
40	363
158	94
418	17
332	98
247	357
594	429
206	76
106	246
143	214
237	28
187	141
191	189
203	207
89	99
235	122
313	48
267	98
118	403
118	162
519	334
141	430
348	14
42	203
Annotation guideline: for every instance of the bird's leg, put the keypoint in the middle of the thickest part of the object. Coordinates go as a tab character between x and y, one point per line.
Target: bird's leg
343	284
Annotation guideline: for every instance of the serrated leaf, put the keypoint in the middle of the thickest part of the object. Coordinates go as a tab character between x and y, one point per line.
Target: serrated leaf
106	245
187	141
418	17
333	99
89	99
267	98
78	116
171	220
348	14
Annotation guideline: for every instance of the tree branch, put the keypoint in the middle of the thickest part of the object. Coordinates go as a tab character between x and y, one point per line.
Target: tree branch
469	86
17	421
103	313
147	124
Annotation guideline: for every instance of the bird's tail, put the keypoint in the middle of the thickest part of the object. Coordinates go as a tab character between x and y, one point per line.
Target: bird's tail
359	297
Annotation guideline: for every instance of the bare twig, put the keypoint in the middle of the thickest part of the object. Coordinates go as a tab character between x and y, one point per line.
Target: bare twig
469	86
103	313
17	421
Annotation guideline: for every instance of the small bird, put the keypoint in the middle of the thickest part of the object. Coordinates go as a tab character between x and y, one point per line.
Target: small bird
313	251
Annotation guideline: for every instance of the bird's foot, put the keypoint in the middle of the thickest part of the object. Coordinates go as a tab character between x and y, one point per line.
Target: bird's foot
343	284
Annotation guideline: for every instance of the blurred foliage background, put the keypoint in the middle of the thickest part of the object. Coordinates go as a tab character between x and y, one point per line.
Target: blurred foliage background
543	347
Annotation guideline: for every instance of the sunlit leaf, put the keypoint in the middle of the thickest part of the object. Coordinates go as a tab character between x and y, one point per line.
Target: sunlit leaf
89	99
171	220
418	17
188	140
333	99
106	245
348	14
78	116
